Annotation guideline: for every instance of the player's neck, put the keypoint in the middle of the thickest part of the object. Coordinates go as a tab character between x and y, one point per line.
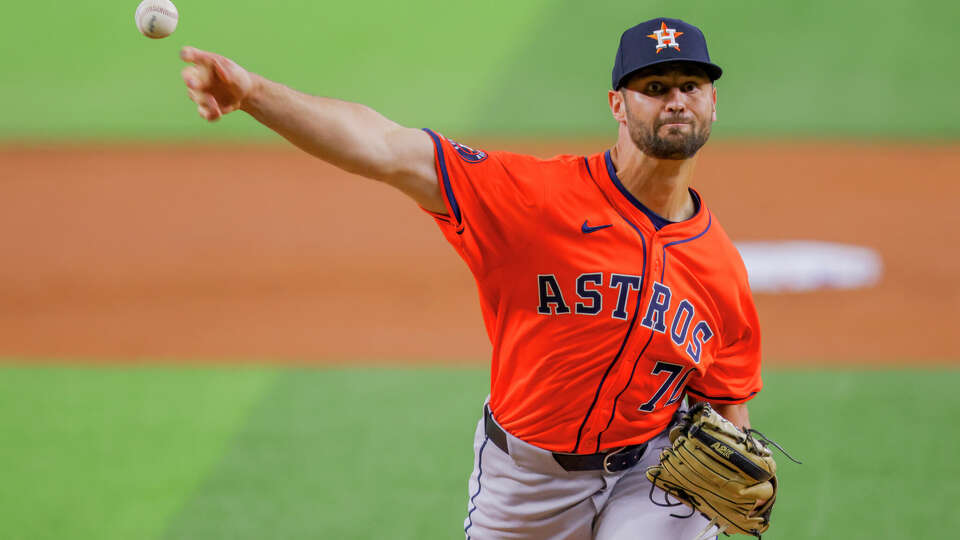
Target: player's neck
660	184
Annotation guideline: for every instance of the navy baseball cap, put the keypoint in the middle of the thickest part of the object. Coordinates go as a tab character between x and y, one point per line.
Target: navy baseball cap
658	41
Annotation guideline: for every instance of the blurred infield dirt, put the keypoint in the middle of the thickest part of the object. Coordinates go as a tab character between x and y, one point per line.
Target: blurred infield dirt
265	254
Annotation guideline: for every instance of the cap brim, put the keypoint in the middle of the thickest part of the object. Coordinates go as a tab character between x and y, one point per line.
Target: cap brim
713	71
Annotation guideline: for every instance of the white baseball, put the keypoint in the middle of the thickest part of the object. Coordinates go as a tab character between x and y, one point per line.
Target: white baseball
156	18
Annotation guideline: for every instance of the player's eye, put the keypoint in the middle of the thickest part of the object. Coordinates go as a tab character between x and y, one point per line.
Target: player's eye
655	88
689	87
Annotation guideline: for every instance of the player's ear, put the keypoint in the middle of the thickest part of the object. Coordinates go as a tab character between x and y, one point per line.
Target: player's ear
714	102
617	108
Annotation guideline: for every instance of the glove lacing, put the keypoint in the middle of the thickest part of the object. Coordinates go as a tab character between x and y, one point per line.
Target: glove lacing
766	441
667	504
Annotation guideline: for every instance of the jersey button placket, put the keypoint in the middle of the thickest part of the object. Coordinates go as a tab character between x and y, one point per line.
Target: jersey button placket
622	373
656	262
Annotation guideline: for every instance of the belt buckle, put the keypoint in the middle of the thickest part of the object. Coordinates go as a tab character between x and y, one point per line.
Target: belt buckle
606	463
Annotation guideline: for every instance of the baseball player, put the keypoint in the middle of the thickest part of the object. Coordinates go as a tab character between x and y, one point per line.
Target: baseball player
609	290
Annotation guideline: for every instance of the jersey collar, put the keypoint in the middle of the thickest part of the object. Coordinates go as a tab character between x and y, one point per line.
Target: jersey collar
605	176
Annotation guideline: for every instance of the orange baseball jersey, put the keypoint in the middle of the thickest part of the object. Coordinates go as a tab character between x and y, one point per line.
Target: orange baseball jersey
602	315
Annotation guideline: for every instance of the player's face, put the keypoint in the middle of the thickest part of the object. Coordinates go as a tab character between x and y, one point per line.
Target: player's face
669	111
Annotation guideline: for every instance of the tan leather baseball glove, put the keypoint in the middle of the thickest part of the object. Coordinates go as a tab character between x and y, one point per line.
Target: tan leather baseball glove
718	470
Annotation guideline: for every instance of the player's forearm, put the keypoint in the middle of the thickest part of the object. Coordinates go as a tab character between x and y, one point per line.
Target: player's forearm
349	135
736	413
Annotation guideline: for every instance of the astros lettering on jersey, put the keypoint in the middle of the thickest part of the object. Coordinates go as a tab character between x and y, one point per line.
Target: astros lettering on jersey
601	315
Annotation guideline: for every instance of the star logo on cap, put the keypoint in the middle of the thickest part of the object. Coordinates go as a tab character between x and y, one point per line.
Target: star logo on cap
666	37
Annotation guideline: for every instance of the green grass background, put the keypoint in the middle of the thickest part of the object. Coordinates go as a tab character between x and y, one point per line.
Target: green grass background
163	452
119	453
884	68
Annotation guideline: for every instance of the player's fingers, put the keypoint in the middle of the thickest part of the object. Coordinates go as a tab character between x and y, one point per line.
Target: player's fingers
197	96
214	116
196	77
231	73
223	69
200	58
208	113
204	112
213	108
207	105
196	56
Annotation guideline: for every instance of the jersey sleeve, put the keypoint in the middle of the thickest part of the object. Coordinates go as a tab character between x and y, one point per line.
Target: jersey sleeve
492	199
734	375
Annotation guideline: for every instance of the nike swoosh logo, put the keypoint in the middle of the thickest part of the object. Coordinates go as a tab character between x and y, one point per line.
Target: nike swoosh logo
586	229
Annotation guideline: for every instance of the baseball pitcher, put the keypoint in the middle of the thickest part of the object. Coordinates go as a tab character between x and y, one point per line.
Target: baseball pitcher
610	292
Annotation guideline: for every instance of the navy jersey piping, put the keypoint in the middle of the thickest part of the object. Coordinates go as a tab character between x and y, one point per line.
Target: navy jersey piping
656	220
451	198
623	344
636	362
692	238
613	411
479	475
719	398
663	270
663	252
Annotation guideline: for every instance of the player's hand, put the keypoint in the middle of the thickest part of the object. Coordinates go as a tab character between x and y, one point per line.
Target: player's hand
215	83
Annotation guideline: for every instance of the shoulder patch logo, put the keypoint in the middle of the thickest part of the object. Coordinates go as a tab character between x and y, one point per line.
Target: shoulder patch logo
666	37
468	154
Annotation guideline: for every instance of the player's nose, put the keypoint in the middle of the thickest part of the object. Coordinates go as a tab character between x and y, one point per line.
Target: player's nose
675	100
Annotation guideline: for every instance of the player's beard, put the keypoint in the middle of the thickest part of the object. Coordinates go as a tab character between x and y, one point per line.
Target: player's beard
677	145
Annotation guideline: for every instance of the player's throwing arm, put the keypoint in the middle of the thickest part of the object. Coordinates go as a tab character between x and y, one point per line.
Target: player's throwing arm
351	136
